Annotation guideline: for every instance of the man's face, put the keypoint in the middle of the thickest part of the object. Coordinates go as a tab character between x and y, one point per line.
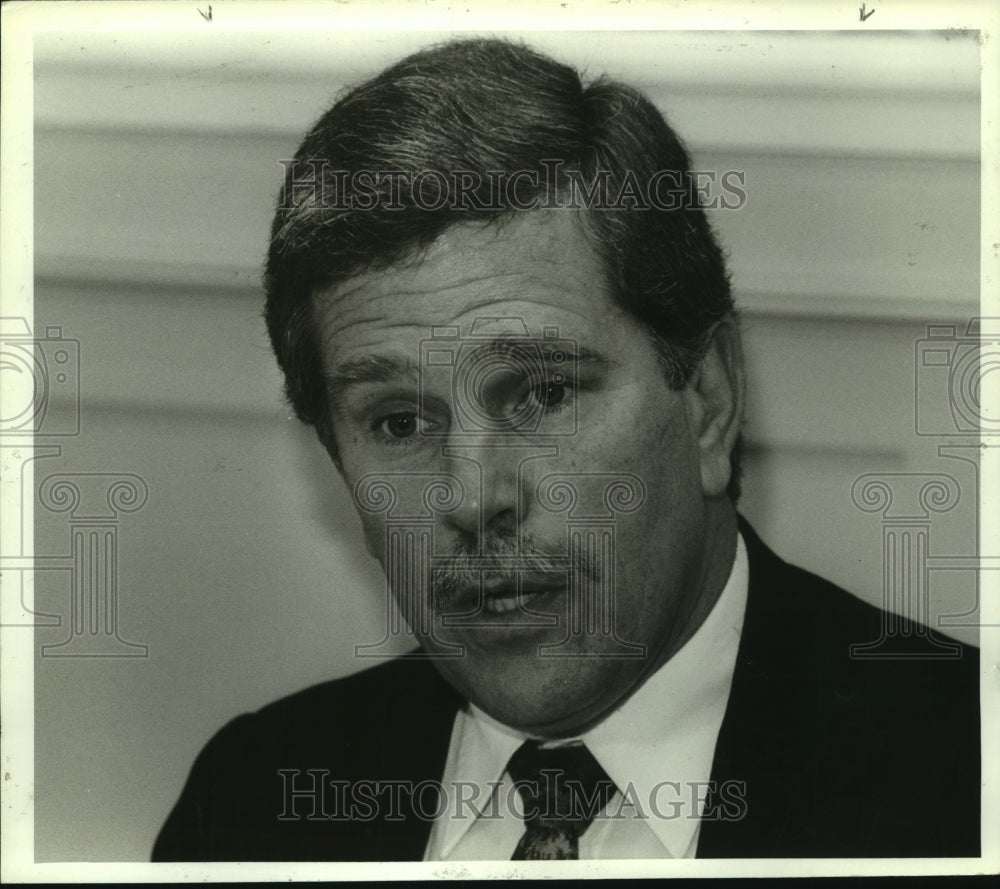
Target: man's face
530	650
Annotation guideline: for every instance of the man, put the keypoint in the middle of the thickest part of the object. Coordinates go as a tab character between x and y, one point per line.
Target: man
494	293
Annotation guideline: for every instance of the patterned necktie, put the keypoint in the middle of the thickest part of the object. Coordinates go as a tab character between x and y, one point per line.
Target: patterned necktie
562	789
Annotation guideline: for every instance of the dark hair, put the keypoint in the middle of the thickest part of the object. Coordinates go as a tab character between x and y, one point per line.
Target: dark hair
487	105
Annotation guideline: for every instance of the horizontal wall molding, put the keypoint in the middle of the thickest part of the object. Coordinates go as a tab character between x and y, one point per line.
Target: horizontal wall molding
846	95
865	125
805	61
172	278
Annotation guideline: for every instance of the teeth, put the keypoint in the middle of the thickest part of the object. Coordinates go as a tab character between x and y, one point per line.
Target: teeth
501	606
498	605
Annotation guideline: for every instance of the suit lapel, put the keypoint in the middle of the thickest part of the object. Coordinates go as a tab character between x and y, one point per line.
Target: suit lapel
765	739
416	725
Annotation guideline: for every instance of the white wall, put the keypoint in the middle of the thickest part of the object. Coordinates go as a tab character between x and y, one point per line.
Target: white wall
155	172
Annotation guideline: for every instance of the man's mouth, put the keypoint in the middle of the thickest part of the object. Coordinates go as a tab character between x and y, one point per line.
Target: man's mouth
503	595
529	592
504	602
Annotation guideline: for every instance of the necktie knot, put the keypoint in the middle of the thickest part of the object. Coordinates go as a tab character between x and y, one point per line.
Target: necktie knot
562	789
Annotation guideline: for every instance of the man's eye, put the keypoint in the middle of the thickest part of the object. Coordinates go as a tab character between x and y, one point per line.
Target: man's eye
400	426
550	396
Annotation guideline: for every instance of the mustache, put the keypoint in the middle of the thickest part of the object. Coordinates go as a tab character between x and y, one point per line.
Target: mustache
505	560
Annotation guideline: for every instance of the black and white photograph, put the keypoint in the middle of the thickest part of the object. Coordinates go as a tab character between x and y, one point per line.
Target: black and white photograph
535	440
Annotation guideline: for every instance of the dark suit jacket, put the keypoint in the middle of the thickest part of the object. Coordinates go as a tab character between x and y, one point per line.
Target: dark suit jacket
841	757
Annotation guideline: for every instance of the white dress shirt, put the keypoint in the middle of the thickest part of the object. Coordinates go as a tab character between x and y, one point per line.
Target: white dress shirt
665	732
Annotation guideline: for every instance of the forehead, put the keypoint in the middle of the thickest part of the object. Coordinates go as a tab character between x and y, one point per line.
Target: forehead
537	270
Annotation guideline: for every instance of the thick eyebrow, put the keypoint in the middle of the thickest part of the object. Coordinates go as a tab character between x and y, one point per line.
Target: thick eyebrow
370	369
568	351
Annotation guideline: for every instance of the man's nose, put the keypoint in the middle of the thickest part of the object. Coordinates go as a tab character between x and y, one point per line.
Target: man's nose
491	481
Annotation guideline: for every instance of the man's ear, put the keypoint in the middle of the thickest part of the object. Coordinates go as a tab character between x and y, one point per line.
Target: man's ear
716	391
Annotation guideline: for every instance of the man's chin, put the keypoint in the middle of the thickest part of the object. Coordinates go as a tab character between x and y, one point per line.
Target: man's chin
543	719
538	695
